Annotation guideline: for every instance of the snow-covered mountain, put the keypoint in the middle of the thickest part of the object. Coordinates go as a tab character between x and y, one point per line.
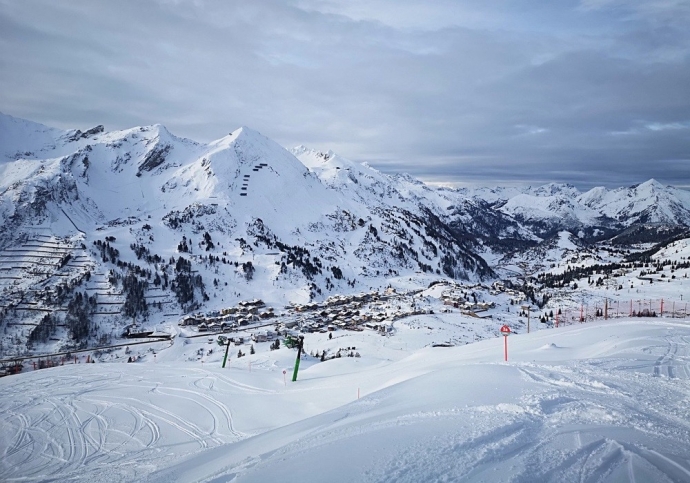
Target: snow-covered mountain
204	225
553	207
242	210
649	202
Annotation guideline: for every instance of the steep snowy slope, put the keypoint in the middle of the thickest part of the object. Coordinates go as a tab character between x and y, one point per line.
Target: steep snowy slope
472	220
370	186
356	180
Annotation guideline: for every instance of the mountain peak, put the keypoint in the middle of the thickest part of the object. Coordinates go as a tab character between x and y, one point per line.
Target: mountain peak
249	133
243	135
652	183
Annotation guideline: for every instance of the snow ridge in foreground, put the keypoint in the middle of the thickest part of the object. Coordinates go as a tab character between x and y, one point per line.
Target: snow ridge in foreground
598	402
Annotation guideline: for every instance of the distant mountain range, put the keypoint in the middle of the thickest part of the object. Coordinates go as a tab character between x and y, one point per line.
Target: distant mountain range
649	202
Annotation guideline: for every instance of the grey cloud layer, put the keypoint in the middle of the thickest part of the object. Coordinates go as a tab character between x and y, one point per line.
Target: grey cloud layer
594	92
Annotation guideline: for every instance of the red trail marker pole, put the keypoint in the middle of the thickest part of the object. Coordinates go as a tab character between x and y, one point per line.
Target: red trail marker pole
505	332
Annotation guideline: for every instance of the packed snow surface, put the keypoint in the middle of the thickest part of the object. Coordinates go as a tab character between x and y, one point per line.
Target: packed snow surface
605	401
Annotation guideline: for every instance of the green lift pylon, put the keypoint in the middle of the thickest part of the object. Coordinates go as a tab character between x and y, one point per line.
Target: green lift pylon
225	359
300	346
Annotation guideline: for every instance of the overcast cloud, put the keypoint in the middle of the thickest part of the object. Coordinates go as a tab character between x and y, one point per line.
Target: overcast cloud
591	92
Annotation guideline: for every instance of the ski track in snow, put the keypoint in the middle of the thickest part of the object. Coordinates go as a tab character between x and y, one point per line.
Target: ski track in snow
623	416
512	445
583	422
53	430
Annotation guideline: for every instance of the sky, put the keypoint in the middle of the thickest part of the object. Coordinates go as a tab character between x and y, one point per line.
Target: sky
488	92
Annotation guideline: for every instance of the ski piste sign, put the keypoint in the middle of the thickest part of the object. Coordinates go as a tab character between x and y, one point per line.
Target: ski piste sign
505	332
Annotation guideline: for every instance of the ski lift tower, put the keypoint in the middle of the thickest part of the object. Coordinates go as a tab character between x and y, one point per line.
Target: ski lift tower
300	348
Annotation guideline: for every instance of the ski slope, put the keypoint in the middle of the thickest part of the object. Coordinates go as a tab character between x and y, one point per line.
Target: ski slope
606	401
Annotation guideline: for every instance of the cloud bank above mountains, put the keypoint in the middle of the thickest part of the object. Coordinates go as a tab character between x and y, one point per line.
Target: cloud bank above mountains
593	92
